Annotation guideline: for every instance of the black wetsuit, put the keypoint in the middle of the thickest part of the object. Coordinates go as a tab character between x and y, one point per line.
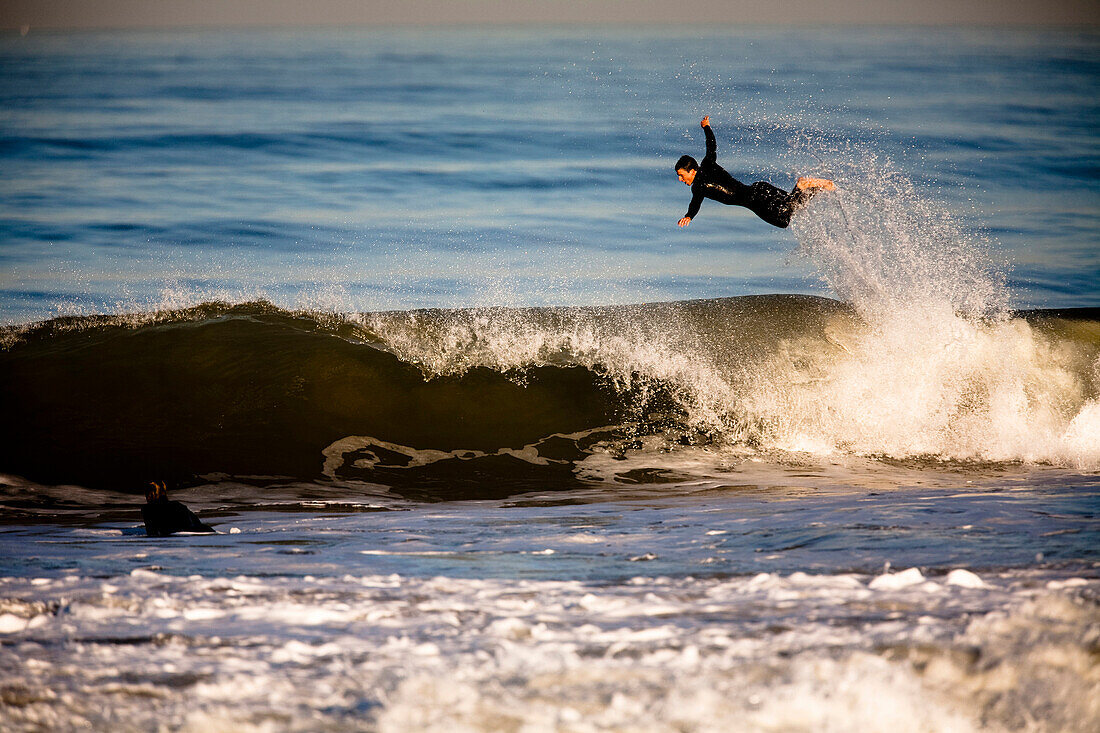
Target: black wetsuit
163	517
771	204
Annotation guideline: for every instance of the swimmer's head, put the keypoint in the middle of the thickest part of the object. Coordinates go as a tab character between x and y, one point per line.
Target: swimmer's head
686	168
155	491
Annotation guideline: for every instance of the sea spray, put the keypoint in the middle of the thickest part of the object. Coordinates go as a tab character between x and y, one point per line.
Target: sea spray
885	247
936	366
639	351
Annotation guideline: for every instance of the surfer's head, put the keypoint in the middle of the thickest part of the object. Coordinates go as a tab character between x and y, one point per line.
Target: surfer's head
686	168
155	492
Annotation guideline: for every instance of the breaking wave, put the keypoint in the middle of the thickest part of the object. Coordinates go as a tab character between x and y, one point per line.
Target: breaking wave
920	358
253	390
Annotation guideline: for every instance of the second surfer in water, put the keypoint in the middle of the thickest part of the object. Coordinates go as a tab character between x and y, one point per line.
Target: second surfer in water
710	180
163	517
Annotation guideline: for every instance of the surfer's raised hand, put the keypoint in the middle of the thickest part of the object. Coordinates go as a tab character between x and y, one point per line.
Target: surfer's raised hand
684	222
705	122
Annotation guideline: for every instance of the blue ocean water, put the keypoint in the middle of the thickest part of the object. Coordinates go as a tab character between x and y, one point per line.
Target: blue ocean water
372	169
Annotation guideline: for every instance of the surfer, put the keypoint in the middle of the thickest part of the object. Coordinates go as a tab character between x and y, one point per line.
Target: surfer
163	517
710	180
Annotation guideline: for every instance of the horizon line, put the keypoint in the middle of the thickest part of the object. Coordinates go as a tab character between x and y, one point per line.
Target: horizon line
26	15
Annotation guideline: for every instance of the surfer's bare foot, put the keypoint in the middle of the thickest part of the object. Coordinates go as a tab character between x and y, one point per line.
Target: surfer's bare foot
825	183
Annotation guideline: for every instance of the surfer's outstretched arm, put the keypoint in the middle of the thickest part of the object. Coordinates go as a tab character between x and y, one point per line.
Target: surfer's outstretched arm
693	209
688	176
712	144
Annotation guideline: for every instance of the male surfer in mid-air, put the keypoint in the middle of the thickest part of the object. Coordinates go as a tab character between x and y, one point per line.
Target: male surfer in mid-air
710	180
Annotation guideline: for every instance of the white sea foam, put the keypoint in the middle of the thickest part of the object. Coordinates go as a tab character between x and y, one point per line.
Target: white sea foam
964	578
938	367
10	623
896	581
768	652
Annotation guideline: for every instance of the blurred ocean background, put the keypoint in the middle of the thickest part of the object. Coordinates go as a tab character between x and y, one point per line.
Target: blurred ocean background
369	170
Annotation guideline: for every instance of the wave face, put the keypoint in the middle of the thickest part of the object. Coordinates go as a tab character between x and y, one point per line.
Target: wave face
251	390
444	402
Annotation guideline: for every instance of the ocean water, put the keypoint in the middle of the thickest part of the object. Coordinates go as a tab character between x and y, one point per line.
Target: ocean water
488	442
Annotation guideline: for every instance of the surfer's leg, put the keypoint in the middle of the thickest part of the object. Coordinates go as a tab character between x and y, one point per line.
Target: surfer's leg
806	182
800	196
804	190
773	205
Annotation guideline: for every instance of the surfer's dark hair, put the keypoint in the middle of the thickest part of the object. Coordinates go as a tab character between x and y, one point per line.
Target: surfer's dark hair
155	491
686	163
